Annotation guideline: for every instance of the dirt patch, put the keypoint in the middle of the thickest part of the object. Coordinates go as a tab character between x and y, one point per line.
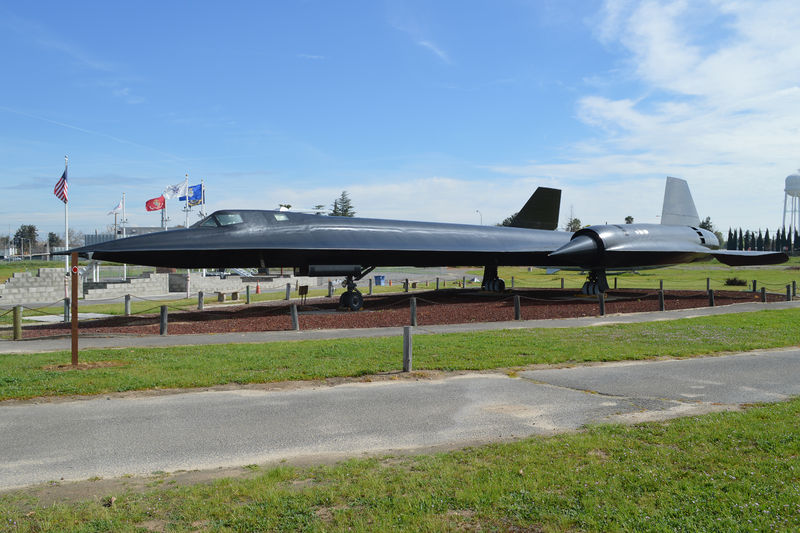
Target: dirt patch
85	366
450	306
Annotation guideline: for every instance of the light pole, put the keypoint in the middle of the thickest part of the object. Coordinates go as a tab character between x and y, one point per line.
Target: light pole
480	215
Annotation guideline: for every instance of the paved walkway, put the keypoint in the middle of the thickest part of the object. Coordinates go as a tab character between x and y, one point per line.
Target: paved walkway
122	341
113	436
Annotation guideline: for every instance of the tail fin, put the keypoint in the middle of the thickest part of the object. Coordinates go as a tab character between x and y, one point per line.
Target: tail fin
540	211
678	209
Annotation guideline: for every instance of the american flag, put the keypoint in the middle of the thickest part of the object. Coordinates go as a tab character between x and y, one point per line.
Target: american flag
61	187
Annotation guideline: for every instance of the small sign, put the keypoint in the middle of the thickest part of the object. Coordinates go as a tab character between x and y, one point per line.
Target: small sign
74	270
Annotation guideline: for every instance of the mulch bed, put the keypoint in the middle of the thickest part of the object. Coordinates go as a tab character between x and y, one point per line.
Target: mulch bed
450	306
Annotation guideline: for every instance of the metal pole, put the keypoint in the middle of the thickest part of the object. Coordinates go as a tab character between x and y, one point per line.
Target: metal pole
788	293
517	308
711	298
562	283
17	322
407	348
661	306
200	301
413	305
295	319
66	310
163	326
127	305
330	289
763	294
601	298
247	294
370	287
74	307
288	291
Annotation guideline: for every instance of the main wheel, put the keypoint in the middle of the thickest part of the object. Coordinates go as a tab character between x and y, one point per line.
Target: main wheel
346	299
356	301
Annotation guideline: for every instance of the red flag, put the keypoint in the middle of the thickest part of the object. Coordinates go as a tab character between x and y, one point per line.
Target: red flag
155	204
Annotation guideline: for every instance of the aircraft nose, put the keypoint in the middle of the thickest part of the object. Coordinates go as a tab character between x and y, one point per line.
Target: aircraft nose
578	250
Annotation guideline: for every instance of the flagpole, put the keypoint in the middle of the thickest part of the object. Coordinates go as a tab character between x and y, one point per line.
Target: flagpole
186	207
66	234
202	199
124	265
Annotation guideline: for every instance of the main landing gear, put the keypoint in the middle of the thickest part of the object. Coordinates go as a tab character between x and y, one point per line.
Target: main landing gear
596	282
491	282
352	298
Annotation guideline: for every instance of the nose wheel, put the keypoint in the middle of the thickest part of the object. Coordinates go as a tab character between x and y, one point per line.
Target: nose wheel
352	298
595	283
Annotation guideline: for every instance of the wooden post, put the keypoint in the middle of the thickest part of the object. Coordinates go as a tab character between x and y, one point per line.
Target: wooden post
661	284
464	282
405	285
370	287
615	282
127	305
517	308
17	322
754	286
74	308
512	282
407	348
163	325
788	293
295	319
413	305
200	300
562	283
794	288
437	283
708	284
330	289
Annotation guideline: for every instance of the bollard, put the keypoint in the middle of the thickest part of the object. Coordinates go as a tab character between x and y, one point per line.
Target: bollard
437	284
413	305
562	283
601	298
754	286
763	294
407	348
288	291
163	328
295	319
330	289
405	285
711	298
17	322
661	306
370	287
661	284
127	305
794	288
512	282
708	284
247	294
615	282
66	310
464	282
788	293
200	302
517	308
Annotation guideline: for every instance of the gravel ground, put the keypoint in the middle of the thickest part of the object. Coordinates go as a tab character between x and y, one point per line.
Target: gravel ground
451	306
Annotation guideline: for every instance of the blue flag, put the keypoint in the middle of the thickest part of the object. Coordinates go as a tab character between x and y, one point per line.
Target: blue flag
196	196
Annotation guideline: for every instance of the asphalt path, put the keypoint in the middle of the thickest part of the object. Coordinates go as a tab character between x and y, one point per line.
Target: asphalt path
112	436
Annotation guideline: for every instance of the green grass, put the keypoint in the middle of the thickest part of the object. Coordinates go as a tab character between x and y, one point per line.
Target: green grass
25	376
719	472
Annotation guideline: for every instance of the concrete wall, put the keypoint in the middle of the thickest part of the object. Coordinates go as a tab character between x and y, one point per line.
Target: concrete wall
148	285
45	286
209	284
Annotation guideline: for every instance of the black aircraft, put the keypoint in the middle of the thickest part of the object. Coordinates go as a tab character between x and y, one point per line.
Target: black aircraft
318	245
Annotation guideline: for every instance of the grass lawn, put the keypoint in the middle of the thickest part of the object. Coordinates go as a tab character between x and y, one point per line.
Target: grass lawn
28	375
735	471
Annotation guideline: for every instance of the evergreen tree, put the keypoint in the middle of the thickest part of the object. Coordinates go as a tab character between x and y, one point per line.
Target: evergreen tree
629	219
760	241
509	220
342	206
767	241
730	240
740	241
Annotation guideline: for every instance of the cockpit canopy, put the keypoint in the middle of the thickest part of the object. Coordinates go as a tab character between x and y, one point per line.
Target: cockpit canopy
220	218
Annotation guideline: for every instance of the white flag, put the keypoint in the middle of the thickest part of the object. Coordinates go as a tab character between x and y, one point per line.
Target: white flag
116	209
175	190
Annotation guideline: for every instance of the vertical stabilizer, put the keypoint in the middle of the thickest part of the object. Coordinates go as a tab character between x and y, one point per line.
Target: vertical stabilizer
540	211
678	209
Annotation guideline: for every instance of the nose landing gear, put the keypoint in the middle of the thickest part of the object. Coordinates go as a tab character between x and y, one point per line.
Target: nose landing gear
596	282
352	298
491	281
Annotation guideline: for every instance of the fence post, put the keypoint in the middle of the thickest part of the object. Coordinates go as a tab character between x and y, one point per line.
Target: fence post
295	319
247	294
711	298
754	286
464	282
288	291
405	285
661	284
407	348
370	287
66	310
163	326
330	289
661	306
127	305
794	288
763	294
562	283
17	322
708	284
437	283
512	282
601	298
788	293
615	282
517	308
412	302
200	301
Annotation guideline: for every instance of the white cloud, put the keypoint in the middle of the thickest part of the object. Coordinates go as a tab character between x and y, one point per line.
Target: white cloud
441	54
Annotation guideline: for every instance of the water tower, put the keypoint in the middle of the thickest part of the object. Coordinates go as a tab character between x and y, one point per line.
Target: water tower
792	191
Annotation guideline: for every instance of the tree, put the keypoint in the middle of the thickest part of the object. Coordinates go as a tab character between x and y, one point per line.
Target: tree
54	241
75	238
706	224
629	219
26	232
319	209
573	224
342	206
509	220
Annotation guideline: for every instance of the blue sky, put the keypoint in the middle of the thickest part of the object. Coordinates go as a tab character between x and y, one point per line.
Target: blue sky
444	111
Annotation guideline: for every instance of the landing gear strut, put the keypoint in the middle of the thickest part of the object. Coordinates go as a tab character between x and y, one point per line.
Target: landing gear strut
491	282
595	283
352	298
